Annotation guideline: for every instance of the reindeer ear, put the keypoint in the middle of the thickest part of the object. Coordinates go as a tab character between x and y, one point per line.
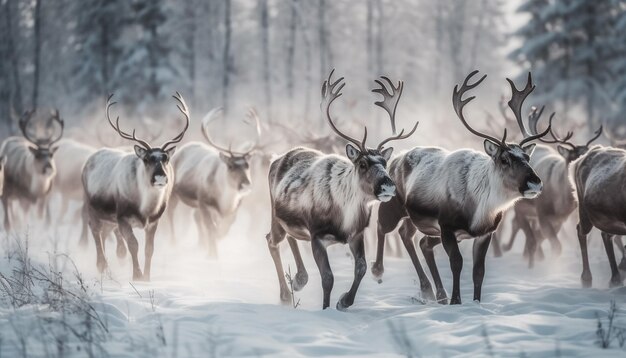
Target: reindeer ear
352	152
170	152
140	151
54	149
564	152
529	149
387	153
491	148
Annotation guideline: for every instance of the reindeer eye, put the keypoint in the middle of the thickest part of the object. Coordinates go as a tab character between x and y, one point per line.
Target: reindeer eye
362	165
504	161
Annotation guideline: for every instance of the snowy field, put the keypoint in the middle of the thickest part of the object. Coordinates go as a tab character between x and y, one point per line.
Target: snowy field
195	307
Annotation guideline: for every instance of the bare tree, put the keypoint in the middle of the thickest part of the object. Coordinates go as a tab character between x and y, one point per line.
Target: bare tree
12	33
265	48
291	52
37	54
226	55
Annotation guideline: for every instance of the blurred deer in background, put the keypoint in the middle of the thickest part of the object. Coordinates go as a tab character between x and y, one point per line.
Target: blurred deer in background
550	210
125	190
212	179
30	167
327	199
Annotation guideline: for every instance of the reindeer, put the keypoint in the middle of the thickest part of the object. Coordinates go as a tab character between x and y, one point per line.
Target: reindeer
30	168
451	196
599	181
125	190
213	180
550	210
618	141
326	199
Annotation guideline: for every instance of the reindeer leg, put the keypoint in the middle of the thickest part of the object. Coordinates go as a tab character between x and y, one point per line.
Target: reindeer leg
321	259
448	239
389	215
276	235
170	211
481	245
515	228
133	246
6	205
531	242
617	240
407	233
96	230
203	240
616	278
84	213
427	245
378	267
357	247
149	249
121	246
583	228
302	277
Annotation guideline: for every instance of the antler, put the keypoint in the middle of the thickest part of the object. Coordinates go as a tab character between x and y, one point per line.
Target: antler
390	98
330	93
116	125
596	136
459	103
209	117
182	107
252	115
517	100
23	124
390	103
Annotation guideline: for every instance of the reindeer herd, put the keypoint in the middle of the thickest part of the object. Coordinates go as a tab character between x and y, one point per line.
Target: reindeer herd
323	197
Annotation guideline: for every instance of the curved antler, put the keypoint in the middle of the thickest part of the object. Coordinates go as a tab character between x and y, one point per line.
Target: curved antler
390	98
533	119
57	118
116	125
209	117
596	136
517	100
253	116
23	124
459	103
389	104
182	107
330	93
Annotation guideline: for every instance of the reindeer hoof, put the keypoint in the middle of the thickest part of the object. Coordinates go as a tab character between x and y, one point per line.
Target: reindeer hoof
427	293
285	297
300	280
377	271
616	282
101	264
138	276
586	281
622	265
442	297
343	303
455	301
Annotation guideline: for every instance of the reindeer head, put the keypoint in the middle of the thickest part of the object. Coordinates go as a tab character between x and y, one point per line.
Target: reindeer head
568	150
511	160
237	163
155	160
370	164
43	148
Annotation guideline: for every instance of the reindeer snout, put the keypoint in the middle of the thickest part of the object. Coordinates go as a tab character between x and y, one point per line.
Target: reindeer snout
532	188
386	190
159	180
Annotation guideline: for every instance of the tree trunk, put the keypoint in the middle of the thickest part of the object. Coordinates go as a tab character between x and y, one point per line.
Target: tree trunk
267	84
190	16
226	55
369	42
380	60
291	52
37	54
16	98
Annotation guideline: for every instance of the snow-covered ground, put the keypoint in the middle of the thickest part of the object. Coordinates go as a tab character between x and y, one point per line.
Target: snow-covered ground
195	307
